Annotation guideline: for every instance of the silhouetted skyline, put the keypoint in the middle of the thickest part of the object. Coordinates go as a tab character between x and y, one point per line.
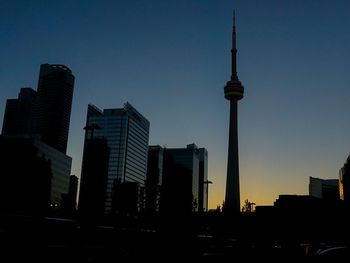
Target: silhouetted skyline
171	61
36	125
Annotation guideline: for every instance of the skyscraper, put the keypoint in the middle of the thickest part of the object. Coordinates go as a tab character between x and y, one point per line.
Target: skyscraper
41	118
126	132
94	176
178	177
180	183
19	112
53	105
233	92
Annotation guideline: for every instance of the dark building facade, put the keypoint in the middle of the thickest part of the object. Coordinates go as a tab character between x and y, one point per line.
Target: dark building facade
126	132
154	178
297	203
326	189
344	182
73	189
69	200
34	176
40	119
19	113
177	180
53	106
94	176
45	112
181	183
61	168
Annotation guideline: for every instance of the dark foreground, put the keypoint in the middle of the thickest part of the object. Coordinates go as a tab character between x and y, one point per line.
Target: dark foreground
25	239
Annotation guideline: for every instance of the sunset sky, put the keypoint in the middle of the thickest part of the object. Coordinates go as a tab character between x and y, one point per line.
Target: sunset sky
171	59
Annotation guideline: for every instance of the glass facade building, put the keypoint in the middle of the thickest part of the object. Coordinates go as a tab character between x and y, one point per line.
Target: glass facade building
34	172
53	106
45	112
127	133
60	168
182	189
177	179
326	189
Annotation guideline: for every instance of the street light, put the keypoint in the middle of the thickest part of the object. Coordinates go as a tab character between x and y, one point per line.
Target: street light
207	183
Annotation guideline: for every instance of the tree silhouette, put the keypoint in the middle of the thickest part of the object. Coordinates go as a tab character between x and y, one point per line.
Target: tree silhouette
248	207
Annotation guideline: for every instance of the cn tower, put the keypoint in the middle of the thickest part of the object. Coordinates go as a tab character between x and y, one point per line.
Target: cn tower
233	92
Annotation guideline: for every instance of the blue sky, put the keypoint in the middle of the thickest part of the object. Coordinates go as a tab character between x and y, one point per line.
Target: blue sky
171	60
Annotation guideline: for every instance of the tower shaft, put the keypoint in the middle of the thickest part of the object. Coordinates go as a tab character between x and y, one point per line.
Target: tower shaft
232	198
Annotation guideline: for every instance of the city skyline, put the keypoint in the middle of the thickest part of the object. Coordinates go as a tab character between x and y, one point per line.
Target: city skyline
292	58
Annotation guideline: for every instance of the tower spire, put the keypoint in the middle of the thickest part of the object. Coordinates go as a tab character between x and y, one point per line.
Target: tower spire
234	49
234	29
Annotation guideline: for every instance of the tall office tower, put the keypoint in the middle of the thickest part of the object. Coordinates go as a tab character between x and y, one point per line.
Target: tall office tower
180	188
18	113
203	180
326	189
154	178
233	92
54	103
126	132
44	115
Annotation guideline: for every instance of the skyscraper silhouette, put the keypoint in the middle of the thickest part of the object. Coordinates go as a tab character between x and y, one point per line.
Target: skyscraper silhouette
19	112
180	182
94	176
233	92
126	133
53	106
178	178
41	119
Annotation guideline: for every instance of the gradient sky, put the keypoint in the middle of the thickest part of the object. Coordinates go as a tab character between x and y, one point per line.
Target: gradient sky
171	59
